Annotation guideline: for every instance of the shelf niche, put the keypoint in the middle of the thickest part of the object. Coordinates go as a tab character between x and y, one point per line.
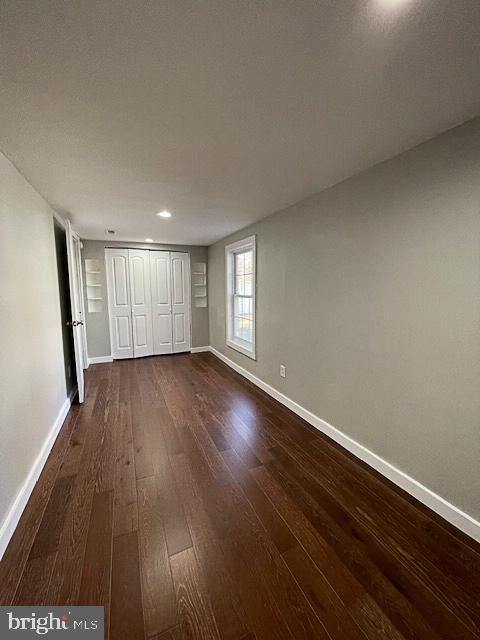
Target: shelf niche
93	286
199	284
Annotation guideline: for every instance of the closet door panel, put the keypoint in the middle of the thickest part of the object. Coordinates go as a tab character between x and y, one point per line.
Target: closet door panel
120	276
178	271
123	332
179	328
180	266
139	281
120	319
140	293
164	332
161	266
140	331
161	301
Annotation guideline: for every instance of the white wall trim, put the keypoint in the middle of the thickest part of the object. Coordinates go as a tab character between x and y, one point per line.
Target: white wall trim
448	511
199	349
99	359
13	516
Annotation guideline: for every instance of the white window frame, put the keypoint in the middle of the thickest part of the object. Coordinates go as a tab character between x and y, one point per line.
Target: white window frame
247	244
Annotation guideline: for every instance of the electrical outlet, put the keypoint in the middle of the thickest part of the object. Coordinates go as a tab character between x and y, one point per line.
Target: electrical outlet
283	371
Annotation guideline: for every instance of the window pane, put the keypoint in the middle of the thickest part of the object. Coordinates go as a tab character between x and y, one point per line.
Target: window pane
248	262
238	308
243	329
247	329
240	285
243	307
247	287
239	264
236	327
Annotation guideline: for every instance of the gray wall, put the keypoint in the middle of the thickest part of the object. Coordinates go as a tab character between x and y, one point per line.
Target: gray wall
369	293
98	332
32	378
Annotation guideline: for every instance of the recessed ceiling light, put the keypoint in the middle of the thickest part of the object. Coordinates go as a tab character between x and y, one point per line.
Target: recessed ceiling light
164	214
148	239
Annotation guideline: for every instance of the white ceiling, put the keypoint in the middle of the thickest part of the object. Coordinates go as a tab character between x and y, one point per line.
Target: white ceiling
222	111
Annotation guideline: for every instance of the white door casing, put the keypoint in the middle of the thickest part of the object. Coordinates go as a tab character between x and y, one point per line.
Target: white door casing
160	275
140	299
180	268
120	311
76	293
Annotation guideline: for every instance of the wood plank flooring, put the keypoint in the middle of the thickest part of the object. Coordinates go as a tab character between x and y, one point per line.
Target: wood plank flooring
192	505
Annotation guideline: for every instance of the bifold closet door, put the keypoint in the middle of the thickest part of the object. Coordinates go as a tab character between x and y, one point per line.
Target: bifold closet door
141	301
160	276
180	267
149	302
129	302
170	277
120	309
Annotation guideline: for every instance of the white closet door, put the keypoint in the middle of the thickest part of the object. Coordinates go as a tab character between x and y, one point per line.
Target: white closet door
161	302
180	267
119	302
141	304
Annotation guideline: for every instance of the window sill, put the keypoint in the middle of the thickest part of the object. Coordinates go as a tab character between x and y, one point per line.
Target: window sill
248	351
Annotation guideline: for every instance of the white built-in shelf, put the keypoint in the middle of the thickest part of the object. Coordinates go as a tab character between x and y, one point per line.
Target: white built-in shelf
199	281
93	285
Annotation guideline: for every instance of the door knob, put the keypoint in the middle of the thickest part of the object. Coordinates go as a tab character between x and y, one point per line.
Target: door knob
75	323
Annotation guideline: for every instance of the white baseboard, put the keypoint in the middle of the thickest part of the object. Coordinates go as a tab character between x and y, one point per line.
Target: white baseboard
10	523
199	349
100	359
448	511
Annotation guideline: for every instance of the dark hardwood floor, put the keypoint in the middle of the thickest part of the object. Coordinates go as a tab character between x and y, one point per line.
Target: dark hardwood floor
192	505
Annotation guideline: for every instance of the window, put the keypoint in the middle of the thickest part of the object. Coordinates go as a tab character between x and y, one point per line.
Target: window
240	272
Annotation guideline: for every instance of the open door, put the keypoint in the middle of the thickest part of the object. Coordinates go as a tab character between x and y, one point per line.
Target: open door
75	281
